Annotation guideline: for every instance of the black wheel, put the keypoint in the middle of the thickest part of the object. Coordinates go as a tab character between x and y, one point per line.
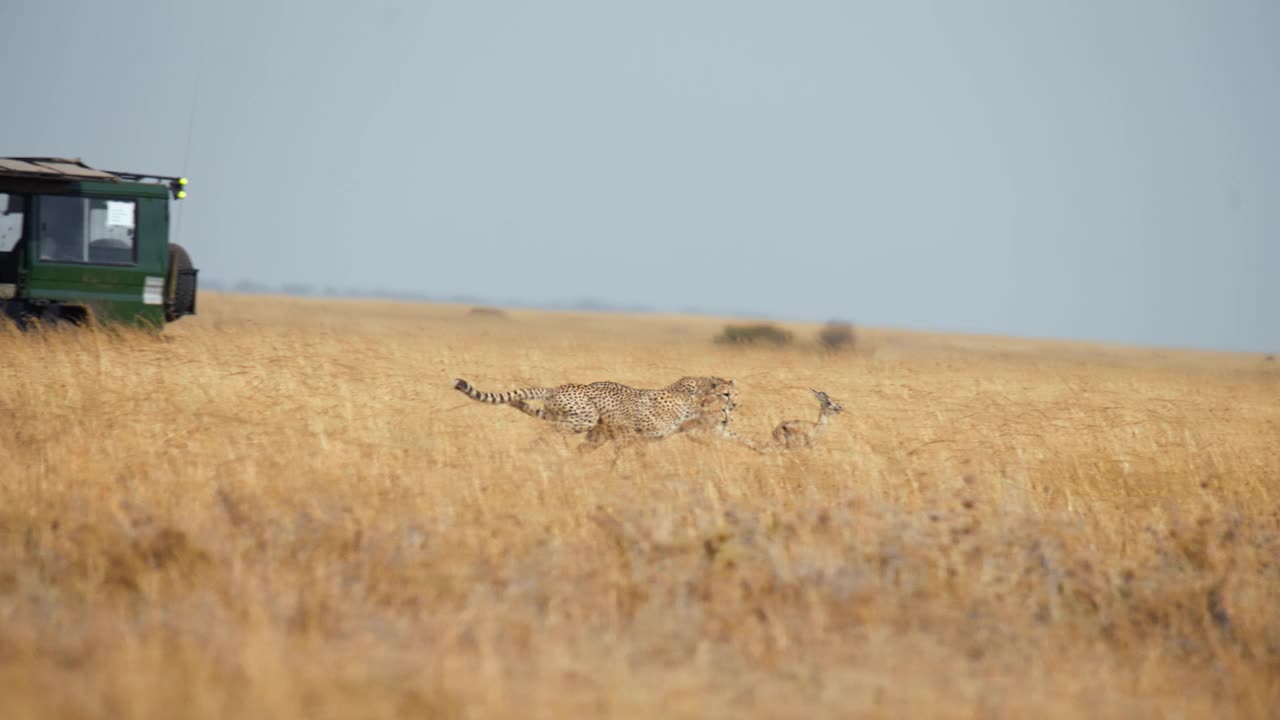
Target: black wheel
49	317
180	290
22	316
66	316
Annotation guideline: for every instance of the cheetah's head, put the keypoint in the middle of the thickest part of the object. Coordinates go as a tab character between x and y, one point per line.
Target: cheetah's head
725	391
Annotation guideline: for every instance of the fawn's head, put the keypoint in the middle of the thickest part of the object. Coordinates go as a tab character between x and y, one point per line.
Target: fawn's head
828	405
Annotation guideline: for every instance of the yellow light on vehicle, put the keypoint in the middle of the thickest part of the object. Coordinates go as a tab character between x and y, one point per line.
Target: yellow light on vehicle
181	194
182	181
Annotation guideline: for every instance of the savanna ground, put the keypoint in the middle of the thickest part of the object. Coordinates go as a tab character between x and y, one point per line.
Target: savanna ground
280	508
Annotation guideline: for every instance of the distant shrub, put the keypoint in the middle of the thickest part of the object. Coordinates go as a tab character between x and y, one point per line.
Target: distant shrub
1270	358
483	311
837	336
766	333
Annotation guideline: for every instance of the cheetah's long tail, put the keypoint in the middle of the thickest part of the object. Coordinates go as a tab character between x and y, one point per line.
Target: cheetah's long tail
504	398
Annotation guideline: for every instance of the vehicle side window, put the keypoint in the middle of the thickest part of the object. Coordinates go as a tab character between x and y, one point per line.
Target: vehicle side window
12	212
62	229
87	230
112	224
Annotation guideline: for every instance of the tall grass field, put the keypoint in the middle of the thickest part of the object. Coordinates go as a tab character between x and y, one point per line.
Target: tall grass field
280	508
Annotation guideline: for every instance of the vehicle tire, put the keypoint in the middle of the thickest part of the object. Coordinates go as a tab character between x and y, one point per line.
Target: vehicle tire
181	298
48	317
67	316
20	314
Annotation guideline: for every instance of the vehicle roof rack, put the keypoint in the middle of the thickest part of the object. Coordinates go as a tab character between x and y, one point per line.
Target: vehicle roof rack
51	168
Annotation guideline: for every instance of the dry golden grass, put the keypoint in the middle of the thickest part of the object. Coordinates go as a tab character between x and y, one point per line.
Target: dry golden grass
281	509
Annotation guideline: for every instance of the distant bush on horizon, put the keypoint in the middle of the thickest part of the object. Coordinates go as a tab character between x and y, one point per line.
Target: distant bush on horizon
766	333
838	335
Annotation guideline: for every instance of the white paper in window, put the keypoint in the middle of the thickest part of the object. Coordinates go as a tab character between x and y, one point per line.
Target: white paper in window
119	214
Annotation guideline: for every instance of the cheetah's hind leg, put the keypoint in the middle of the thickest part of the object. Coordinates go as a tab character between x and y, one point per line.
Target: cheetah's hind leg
601	434
636	443
560	428
598	435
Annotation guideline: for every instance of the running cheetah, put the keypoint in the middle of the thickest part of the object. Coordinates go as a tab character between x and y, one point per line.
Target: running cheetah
616	408
704	404
801	433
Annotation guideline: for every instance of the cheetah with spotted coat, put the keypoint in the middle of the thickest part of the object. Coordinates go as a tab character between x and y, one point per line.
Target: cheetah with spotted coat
610	410
705	404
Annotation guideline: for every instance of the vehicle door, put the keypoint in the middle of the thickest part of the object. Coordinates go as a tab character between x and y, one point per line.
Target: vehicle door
84	250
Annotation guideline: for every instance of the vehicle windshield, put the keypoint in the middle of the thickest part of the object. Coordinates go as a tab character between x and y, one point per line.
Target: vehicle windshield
87	230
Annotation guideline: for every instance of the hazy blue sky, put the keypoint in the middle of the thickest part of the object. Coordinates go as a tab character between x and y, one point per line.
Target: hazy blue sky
1106	170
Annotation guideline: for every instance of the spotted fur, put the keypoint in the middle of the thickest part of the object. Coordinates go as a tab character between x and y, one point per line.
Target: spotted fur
694	404
613	409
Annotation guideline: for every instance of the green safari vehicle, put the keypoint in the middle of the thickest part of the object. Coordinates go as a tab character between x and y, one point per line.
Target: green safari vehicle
83	245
